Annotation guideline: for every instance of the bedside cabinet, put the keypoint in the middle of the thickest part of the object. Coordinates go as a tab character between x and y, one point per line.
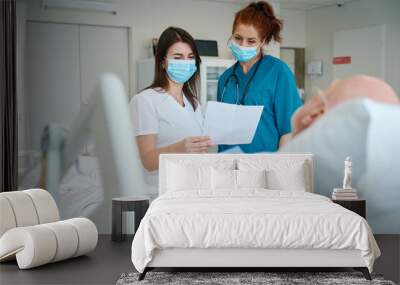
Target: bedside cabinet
139	205
357	206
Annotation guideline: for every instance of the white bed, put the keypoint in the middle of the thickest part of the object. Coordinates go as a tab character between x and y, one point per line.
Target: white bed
205	226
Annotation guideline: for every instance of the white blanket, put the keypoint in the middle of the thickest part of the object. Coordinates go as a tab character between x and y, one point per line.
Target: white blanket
252	218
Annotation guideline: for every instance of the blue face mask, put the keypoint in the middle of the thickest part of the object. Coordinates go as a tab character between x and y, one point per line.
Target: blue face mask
242	54
181	70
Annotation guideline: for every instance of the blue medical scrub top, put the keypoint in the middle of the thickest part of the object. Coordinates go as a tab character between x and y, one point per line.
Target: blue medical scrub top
274	87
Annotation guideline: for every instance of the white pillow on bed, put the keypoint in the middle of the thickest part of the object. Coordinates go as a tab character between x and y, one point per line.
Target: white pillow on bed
251	178
291	178
237	179
281	174
223	179
181	177
193	175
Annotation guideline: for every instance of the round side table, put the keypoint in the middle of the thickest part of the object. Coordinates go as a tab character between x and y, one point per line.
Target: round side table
139	205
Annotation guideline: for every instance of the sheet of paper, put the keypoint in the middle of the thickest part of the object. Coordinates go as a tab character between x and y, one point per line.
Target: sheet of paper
230	123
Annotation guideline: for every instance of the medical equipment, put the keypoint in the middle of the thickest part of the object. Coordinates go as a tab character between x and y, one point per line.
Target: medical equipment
207	47
236	79
107	118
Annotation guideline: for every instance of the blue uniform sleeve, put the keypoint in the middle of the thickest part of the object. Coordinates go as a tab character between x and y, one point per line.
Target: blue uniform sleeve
287	100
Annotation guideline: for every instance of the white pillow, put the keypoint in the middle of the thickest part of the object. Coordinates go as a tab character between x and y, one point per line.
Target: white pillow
282	174
293	178
251	178
193	174
181	177
237	179
223	179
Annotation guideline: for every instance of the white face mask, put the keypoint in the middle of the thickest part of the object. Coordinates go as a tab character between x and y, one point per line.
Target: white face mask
181	70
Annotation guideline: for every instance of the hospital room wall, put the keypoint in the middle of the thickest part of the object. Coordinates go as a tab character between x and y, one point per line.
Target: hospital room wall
321	24
146	19
294	28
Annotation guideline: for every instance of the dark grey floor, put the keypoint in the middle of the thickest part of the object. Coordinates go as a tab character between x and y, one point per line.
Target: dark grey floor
109	260
102	266
389	262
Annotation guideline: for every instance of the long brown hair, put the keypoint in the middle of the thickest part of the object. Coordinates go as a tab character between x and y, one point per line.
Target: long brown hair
260	15
169	37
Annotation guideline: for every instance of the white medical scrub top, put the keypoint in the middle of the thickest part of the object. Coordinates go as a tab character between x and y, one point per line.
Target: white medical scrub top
157	112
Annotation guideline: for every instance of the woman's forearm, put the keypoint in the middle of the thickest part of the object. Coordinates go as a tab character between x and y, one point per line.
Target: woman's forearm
149	154
150	159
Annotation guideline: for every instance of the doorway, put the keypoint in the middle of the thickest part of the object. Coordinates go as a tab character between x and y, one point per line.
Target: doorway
295	59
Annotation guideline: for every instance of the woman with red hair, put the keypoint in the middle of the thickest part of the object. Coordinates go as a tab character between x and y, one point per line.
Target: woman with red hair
259	79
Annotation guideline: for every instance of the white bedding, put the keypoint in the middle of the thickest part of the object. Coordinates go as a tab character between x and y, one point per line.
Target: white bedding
251	218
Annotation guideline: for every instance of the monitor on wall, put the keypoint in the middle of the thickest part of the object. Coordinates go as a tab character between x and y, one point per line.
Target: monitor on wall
207	47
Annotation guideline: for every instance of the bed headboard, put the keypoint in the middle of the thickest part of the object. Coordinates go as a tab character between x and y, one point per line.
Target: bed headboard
216	159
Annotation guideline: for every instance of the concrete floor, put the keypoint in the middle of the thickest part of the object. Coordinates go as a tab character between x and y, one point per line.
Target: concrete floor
110	260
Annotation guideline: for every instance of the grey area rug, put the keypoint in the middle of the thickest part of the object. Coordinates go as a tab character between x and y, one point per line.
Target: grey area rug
269	278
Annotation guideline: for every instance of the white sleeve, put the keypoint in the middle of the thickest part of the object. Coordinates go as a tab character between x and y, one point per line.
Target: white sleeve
144	115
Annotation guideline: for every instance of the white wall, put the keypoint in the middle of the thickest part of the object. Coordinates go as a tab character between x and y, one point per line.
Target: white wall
294	28
323	22
148	18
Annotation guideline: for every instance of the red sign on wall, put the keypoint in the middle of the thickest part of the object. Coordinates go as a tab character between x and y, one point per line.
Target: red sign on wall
342	60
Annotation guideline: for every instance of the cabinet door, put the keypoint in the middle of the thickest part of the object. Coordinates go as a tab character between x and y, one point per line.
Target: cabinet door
210	72
102	49
52	89
64	62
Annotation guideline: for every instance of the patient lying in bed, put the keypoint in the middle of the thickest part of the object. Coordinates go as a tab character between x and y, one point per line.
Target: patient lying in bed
357	117
340	91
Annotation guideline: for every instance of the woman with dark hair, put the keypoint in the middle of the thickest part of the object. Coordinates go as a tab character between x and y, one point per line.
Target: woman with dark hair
258	79
166	116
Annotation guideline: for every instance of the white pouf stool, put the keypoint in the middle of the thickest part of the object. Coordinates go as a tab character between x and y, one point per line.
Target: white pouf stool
30	230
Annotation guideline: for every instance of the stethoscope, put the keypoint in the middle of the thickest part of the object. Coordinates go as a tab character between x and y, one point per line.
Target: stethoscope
246	88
